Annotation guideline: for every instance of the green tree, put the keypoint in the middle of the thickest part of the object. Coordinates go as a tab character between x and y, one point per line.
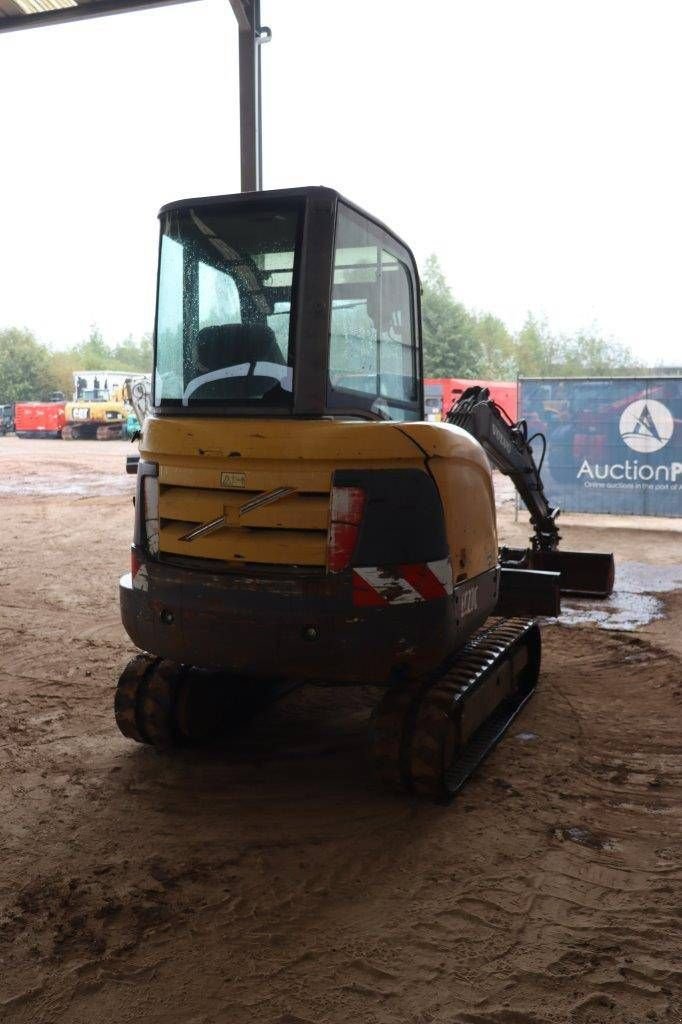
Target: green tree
498	360
589	355
535	349
62	365
93	354
133	355
25	367
539	353
451	348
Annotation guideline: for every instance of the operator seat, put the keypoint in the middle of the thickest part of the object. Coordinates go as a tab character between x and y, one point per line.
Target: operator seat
232	345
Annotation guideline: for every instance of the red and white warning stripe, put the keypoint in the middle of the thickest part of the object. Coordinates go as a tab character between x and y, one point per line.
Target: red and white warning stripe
376	586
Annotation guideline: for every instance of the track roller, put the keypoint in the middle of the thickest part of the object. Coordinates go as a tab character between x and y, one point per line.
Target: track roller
108	432
429	736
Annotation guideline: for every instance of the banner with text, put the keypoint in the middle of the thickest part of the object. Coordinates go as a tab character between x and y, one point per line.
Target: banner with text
613	445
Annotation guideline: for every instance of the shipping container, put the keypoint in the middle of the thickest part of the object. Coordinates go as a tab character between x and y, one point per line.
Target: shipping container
39	419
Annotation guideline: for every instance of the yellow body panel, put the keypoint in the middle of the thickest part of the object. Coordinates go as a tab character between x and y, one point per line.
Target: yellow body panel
461	470
99	412
210	467
270	547
302	441
309	512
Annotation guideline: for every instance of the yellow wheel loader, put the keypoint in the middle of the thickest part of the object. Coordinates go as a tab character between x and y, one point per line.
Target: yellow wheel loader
296	520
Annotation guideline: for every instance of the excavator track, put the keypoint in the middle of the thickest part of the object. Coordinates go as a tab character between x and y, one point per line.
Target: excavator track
109	432
166	704
430	736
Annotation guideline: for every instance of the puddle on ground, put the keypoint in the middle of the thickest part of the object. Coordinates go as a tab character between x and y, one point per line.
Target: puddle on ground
633	602
584	837
78	486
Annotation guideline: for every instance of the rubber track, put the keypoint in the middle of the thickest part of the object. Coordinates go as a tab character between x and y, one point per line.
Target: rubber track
156	705
416	727
125	700
154	696
144	704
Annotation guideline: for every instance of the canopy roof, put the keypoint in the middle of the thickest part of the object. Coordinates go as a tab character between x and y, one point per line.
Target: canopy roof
15	14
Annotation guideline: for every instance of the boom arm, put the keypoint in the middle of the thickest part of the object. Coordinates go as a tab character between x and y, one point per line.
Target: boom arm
506	445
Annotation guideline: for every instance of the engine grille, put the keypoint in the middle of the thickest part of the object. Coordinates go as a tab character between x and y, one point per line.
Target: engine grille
289	531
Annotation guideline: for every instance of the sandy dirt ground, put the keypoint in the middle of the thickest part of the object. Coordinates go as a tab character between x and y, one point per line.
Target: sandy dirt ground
270	879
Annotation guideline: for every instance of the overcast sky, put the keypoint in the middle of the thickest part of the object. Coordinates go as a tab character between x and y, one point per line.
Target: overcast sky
533	145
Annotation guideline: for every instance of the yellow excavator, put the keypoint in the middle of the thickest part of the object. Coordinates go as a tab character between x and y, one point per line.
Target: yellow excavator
295	518
95	414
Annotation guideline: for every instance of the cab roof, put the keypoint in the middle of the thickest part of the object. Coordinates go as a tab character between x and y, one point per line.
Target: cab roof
304	192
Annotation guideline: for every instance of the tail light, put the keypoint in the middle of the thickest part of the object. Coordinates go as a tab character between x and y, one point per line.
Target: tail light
135	562
146	535
347	506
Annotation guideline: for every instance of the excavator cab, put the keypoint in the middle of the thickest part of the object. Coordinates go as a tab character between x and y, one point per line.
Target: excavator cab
296	520
285	304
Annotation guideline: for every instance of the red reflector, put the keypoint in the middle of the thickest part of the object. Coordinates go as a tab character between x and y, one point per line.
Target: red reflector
135	562
340	546
347	506
423	581
365	596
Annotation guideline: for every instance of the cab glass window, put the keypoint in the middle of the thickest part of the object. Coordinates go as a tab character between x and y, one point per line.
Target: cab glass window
225	290
372	352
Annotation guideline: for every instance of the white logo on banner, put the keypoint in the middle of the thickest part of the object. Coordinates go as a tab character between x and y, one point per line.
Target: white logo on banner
646	425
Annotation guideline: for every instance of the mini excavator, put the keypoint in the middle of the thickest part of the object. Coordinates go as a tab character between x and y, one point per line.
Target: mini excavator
297	521
295	518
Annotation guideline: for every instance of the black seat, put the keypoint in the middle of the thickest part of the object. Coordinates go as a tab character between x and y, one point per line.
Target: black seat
227	345
232	344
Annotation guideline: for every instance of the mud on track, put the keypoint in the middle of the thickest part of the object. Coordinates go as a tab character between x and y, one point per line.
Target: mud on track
269	879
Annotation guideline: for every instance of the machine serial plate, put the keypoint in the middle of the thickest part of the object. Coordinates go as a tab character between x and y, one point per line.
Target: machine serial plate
233	479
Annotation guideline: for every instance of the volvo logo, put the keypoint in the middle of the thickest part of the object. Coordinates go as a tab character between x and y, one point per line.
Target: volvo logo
646	425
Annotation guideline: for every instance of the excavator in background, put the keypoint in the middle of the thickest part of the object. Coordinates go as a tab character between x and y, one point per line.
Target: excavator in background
296	520
104	413
97	413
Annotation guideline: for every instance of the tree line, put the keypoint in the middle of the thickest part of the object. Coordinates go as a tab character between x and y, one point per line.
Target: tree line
457	343
30	371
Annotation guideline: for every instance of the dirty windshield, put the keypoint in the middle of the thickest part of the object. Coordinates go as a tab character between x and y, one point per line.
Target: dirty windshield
225	289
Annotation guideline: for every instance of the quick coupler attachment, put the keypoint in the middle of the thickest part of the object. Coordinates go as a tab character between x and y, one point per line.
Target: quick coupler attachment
584	573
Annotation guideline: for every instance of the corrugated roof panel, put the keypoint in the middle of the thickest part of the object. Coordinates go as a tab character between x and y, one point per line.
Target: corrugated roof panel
40	6
16	14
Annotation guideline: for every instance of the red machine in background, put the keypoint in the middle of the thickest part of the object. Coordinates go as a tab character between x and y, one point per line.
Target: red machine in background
39	419
441	392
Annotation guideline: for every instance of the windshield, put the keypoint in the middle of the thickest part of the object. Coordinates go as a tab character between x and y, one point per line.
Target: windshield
226	280
94	395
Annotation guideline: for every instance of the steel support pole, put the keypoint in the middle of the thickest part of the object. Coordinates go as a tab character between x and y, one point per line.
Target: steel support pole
251	37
